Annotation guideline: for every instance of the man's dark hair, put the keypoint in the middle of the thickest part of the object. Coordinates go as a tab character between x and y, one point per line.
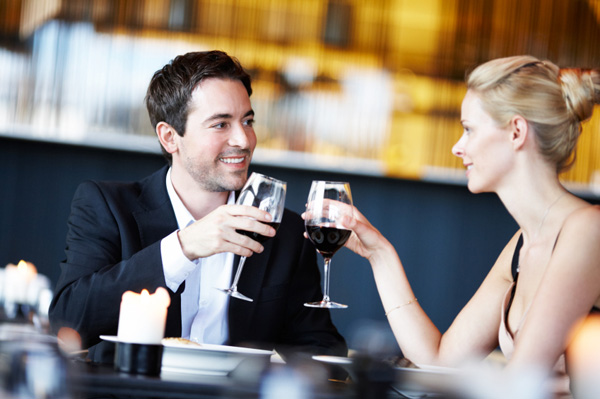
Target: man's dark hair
170	89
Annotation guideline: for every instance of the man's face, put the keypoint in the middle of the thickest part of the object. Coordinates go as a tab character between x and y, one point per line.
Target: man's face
219	140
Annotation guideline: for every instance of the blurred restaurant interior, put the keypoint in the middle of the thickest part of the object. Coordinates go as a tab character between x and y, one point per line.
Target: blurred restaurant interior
363	91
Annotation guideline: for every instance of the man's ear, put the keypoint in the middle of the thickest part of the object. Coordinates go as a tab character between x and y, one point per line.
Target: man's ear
167	136
519	130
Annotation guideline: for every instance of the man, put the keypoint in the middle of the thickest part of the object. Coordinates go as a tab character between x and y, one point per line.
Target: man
177	229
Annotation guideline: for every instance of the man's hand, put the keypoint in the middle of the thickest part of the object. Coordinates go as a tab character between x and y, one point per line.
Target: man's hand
216	232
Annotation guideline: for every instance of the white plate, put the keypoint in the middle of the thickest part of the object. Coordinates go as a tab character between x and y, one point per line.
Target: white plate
217	348
115	338
203	358
333	359
110	338
208	358
429	380
422	382
421	369
438	369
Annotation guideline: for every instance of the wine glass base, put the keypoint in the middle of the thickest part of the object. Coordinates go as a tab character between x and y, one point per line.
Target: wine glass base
235	294
241	296
325	304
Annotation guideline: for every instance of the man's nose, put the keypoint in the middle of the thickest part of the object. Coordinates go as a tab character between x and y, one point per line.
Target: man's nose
239	136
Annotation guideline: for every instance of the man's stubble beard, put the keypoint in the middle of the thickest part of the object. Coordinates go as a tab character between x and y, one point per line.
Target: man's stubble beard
210	180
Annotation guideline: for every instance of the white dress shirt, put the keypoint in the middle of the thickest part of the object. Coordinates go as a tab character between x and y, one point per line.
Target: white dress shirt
203	308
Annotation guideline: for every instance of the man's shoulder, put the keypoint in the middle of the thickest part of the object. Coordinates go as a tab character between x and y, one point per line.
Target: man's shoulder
122	189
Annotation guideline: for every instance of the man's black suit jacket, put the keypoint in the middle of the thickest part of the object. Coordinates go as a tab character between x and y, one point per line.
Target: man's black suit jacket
113	245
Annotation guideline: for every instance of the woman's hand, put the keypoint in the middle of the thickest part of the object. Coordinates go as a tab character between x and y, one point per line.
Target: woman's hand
365	240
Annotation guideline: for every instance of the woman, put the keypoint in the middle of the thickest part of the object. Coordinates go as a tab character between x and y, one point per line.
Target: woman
521	119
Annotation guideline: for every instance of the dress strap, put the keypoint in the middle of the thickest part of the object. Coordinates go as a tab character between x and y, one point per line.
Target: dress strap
515	273
515	259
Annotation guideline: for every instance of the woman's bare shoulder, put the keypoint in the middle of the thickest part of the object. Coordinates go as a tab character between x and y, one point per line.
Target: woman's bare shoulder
580	234
578	246
584	219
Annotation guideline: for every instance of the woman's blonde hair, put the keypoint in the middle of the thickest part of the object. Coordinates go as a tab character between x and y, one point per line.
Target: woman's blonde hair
554	101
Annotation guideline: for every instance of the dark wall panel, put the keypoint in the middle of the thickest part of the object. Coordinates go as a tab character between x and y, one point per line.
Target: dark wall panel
447	237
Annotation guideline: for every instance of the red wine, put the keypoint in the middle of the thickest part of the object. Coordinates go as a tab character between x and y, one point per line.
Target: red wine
259	237
327	240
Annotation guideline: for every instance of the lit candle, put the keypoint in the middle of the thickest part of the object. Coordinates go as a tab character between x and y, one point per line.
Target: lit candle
583	354
143	316
584	347
17	279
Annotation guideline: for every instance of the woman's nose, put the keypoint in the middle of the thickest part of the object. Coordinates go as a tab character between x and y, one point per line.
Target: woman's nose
457	148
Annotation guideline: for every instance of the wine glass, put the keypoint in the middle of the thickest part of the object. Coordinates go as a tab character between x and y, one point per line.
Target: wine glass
268	194
327	203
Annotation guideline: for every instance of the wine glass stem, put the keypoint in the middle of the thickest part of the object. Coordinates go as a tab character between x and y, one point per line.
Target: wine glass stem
326	279
238	273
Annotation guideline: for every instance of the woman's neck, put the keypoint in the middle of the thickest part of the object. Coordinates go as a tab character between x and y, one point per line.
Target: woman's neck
534	202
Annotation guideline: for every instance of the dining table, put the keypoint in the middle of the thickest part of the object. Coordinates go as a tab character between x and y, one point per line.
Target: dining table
300	381
102	381
33	365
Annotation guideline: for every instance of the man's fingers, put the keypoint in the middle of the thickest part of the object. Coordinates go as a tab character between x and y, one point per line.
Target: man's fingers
249	212
254	226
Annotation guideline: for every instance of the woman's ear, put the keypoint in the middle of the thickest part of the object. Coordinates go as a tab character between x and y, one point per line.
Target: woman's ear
167	136
519	130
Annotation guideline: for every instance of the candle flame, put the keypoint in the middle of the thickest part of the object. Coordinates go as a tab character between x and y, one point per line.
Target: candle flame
145	299
27	269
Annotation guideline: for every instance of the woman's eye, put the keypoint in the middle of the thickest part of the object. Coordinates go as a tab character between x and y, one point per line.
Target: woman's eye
220	125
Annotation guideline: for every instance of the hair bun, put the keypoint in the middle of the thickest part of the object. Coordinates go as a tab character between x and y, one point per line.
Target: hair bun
581	90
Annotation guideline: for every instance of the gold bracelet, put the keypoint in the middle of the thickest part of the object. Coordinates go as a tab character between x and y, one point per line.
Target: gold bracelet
400	306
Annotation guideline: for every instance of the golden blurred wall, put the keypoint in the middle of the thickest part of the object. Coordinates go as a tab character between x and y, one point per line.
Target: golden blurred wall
380	80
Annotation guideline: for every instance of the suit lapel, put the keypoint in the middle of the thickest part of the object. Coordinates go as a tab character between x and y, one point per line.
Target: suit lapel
156	219
155	224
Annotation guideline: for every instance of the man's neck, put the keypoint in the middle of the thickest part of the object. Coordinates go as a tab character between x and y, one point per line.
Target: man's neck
204	203
198	201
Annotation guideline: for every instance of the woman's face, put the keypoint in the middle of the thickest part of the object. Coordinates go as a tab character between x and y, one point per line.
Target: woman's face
484	147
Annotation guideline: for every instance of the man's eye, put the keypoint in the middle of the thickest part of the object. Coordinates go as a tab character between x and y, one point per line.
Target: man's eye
249	122
220	125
